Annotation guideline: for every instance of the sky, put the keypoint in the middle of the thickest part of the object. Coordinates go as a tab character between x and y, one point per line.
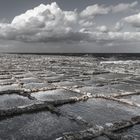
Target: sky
72	26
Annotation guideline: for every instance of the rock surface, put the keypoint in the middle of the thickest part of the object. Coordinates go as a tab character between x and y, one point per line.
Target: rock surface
69	98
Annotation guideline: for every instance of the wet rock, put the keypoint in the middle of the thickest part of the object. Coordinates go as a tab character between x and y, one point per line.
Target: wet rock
36	126
95	72
88	92
121	125
53	81
35	107
136	120
84	135
113	136
54	94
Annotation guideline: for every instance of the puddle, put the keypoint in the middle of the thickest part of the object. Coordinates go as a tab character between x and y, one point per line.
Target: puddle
134	98
105	90
8	87
111	76
47	74
98	111
68	83
9	101
35	85
124	87
40	126
134	131
101	138
4	77
7	81
57	77
30	80
54	95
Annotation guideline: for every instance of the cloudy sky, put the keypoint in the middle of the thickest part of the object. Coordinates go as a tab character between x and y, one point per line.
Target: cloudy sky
70	26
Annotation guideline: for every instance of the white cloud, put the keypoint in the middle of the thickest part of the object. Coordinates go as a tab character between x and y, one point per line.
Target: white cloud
115	36
86	23
124	7
46	17
94	10
116	28
102	28
119	26
49	23
134	20
42	22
